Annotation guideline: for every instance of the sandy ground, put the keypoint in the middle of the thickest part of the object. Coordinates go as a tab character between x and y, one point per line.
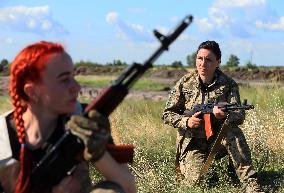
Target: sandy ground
4	83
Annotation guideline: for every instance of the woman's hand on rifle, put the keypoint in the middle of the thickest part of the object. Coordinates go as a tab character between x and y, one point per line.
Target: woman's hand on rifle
194	121
94	131
218	112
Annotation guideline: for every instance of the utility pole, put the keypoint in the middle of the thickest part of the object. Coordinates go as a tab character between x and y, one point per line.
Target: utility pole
251	54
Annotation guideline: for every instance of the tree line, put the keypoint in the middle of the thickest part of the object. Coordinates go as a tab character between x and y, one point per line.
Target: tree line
233	61
4	64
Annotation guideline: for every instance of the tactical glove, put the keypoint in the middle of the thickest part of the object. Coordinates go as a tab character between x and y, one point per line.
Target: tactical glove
93	131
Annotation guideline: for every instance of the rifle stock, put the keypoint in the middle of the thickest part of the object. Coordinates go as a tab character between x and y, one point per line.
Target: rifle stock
60	159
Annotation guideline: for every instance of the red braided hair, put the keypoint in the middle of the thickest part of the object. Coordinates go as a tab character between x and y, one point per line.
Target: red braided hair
28	66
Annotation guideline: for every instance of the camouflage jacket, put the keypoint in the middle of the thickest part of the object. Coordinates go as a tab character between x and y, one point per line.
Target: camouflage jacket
188	92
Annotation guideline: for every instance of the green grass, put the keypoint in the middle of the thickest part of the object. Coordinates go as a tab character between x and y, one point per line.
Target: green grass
263	95
5	103
103	81
139	122
98	81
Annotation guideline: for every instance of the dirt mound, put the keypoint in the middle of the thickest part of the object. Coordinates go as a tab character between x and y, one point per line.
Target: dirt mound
256	74
239	73
271	74
169	73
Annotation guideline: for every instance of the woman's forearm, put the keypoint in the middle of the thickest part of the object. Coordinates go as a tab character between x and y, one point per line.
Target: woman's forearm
116	172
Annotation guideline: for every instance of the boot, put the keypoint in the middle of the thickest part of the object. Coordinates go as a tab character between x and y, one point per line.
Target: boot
232	173
253	186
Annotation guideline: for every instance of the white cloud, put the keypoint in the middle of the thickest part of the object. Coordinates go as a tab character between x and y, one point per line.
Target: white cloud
277	26
184	37
46	24
238	3
112	17
127	30
30	19
204	25
226	12
31	23
234	18
137	27
219	16
163	30
8	40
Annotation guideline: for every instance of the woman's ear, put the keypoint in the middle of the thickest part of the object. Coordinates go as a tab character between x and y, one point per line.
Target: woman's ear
219	63
31	91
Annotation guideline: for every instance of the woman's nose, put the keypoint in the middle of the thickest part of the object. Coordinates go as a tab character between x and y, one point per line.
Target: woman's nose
201	62
76	87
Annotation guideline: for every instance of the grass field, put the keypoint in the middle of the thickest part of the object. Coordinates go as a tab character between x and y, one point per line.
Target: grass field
100	82
139	122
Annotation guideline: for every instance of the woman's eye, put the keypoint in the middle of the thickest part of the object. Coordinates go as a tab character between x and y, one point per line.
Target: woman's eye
65	79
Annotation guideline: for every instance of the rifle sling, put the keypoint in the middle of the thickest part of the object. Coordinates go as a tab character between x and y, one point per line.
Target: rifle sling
213	151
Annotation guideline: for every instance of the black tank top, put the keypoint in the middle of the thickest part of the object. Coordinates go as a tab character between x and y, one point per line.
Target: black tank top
37	153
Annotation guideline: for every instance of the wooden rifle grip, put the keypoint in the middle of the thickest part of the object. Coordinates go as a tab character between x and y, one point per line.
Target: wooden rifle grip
208	126
121	153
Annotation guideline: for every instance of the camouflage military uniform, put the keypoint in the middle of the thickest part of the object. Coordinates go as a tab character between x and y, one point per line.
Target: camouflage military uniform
192	146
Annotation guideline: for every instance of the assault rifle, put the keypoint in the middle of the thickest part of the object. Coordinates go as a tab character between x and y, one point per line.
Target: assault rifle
63	156
221	134
207	109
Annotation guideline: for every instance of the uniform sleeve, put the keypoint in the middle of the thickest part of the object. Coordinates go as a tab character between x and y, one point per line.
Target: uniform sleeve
235	117
175	107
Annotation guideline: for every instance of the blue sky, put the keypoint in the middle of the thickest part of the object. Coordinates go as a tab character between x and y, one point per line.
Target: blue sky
101	31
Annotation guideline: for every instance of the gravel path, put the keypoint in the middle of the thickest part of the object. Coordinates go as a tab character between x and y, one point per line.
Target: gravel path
91	92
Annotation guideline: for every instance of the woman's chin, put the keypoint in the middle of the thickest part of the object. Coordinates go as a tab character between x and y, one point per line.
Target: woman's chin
70	109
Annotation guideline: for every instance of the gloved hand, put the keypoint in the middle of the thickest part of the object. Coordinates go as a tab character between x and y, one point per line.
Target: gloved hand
94	131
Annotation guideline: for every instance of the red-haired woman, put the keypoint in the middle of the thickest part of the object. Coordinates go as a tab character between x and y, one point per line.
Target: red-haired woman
44	95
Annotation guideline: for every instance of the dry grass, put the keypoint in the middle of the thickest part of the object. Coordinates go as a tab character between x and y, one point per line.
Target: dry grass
5	103
139	122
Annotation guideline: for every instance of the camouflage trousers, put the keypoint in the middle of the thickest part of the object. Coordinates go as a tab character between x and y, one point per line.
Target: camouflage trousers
192	153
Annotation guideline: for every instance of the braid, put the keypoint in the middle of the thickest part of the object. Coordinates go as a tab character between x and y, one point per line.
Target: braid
27	66
19	106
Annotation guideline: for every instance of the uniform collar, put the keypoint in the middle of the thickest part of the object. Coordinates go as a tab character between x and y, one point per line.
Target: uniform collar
209	87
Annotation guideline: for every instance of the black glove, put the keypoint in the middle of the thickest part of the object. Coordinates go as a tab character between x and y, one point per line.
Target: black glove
94	132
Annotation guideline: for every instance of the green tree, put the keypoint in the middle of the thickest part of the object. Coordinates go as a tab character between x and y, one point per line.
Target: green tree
191	59
177	64
233	61
3	64
250	65
118	63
